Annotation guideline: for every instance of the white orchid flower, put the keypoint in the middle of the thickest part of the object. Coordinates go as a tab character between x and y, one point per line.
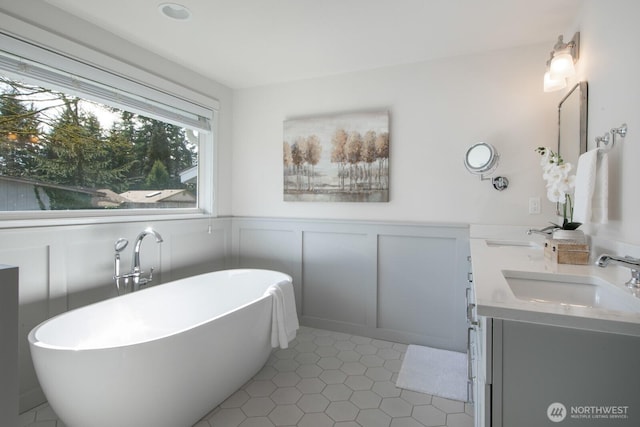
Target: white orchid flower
560	184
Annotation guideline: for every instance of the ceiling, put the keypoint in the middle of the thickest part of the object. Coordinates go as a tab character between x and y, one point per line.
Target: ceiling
247	43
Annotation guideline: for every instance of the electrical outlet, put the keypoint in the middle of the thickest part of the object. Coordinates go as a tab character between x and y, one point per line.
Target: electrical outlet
534	205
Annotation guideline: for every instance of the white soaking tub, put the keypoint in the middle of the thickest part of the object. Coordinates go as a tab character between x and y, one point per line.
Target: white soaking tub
161	357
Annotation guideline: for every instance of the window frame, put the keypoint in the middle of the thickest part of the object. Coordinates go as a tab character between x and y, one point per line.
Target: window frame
188	101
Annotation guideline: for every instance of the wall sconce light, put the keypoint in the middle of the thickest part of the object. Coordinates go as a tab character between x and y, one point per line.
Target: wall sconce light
560	64
552	84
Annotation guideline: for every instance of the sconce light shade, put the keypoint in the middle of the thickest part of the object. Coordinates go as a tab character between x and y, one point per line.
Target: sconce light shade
551	84
561	66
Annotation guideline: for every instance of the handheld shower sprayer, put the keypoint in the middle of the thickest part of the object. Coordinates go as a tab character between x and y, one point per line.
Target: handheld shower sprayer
119	246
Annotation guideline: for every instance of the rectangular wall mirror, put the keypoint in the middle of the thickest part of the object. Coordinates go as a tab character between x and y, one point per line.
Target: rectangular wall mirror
572	124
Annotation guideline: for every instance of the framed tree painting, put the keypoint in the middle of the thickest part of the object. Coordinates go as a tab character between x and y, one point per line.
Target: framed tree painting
337	158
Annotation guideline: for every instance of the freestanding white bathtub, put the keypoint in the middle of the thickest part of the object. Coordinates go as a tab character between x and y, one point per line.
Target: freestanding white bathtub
161	357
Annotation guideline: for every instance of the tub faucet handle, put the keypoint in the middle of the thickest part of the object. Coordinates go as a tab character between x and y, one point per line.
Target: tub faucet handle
144	280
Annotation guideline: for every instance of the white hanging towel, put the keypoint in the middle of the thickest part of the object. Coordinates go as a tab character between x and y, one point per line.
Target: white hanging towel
591	197
600	202
284	319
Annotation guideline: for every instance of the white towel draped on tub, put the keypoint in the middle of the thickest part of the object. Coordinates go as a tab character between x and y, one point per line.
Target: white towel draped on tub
284	319
592	188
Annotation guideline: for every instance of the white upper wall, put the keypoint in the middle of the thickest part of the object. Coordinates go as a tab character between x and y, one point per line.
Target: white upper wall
609	61
437	110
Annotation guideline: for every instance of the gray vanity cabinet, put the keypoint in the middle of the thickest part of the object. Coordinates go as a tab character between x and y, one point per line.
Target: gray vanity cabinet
9	347
481	370
540	375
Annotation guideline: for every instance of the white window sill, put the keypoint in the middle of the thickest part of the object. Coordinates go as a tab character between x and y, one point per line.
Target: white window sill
64	218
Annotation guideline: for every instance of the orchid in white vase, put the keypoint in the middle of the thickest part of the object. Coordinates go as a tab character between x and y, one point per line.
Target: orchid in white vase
560	184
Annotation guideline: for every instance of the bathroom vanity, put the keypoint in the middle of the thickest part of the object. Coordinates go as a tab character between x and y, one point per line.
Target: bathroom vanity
9	347
550	344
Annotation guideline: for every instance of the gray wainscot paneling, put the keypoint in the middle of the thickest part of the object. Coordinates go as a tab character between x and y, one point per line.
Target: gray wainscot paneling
394	281
211	253
262	244
65	267
337	277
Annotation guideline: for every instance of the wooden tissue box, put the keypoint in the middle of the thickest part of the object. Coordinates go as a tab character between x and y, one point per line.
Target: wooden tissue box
566	251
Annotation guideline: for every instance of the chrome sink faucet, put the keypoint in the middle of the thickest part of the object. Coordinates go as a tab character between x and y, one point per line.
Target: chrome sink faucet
626	261
547	231
135	275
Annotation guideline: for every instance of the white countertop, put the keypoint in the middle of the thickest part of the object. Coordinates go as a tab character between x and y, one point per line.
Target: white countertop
495	299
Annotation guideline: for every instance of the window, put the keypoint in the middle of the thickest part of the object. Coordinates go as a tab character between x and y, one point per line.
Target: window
94	141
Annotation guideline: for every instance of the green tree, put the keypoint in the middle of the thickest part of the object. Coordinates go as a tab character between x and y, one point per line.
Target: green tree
19	141
76	152
131	129
154	140
158	178
51	137
119	151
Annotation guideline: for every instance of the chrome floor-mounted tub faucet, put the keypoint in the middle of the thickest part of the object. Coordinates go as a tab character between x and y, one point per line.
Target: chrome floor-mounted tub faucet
135	275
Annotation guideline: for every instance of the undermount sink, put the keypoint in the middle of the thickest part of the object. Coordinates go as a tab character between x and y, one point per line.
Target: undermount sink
568	290
512	243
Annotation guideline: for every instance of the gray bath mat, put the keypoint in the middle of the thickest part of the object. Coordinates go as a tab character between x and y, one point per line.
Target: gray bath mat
433	371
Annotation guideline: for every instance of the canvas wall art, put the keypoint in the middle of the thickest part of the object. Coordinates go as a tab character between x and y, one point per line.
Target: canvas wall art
337	158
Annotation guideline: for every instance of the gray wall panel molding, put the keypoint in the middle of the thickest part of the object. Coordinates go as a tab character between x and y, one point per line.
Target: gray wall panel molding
345	272
389	280
64	267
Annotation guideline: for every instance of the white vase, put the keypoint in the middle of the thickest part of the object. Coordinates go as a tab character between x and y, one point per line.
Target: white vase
577	235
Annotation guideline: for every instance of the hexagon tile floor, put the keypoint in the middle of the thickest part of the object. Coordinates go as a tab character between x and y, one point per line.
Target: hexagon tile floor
324	379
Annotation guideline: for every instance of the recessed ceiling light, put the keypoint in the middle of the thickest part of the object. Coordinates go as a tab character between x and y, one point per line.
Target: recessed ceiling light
174	11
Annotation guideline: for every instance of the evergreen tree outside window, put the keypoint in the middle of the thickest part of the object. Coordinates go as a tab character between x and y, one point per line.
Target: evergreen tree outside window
60	150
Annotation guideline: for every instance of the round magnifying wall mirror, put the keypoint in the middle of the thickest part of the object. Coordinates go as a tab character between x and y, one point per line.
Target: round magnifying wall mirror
481	158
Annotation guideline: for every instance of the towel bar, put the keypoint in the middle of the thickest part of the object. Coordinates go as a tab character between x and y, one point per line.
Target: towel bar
606	138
